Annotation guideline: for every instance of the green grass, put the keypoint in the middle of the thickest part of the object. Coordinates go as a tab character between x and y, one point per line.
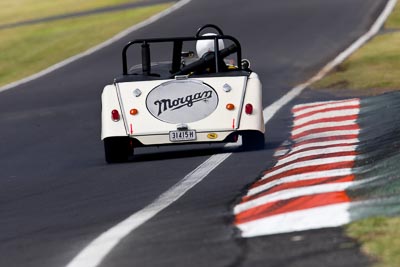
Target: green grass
12	11
393	21
379	238
374	66
29	49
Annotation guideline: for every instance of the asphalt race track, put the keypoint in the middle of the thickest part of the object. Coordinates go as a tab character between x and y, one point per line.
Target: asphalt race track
57	194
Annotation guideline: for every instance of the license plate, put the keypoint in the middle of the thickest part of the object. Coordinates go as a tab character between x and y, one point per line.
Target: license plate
178	136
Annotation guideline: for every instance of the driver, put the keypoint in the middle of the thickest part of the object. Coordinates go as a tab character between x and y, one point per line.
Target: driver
204	47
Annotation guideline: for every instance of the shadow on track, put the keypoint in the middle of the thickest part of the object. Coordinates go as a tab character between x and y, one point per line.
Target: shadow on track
188	151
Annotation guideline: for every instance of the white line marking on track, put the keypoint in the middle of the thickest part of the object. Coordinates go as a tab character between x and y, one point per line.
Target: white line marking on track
327	106
320	151
91	253
323	125
292	193
308	163
326	115
323	107
301	177
327	135
300	107
324	144
329	216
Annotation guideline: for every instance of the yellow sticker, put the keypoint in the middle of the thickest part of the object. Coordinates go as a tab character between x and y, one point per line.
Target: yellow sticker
212	136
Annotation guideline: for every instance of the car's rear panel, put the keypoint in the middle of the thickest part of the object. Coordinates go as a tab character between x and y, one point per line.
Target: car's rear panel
210	106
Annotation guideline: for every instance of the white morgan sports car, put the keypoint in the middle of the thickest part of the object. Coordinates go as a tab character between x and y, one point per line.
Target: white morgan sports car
206	96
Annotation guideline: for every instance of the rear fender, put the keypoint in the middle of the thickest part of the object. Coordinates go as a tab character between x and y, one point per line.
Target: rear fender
253	96
109	102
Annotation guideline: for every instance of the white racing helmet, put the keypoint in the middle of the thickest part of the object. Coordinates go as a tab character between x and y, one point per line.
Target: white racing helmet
204	46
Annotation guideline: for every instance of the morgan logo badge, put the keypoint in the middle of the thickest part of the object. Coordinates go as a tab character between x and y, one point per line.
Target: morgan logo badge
173	104
182	101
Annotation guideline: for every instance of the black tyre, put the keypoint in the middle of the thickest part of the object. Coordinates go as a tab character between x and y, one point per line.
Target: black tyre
117	149
253	140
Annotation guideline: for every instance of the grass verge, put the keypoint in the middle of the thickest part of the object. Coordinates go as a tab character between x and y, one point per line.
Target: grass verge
374	66
29	49
393	21
12	11
380	239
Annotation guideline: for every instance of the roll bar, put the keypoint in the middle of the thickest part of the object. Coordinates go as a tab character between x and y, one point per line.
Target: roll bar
177	49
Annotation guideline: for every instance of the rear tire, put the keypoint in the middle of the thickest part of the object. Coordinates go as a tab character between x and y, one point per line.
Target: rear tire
253	140
117	149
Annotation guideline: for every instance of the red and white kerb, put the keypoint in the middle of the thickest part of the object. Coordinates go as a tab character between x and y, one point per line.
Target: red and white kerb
306	187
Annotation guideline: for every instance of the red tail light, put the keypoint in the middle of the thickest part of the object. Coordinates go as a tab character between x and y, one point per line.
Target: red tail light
249	109
115	115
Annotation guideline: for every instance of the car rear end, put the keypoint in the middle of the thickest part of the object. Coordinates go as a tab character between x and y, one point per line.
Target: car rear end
183	110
